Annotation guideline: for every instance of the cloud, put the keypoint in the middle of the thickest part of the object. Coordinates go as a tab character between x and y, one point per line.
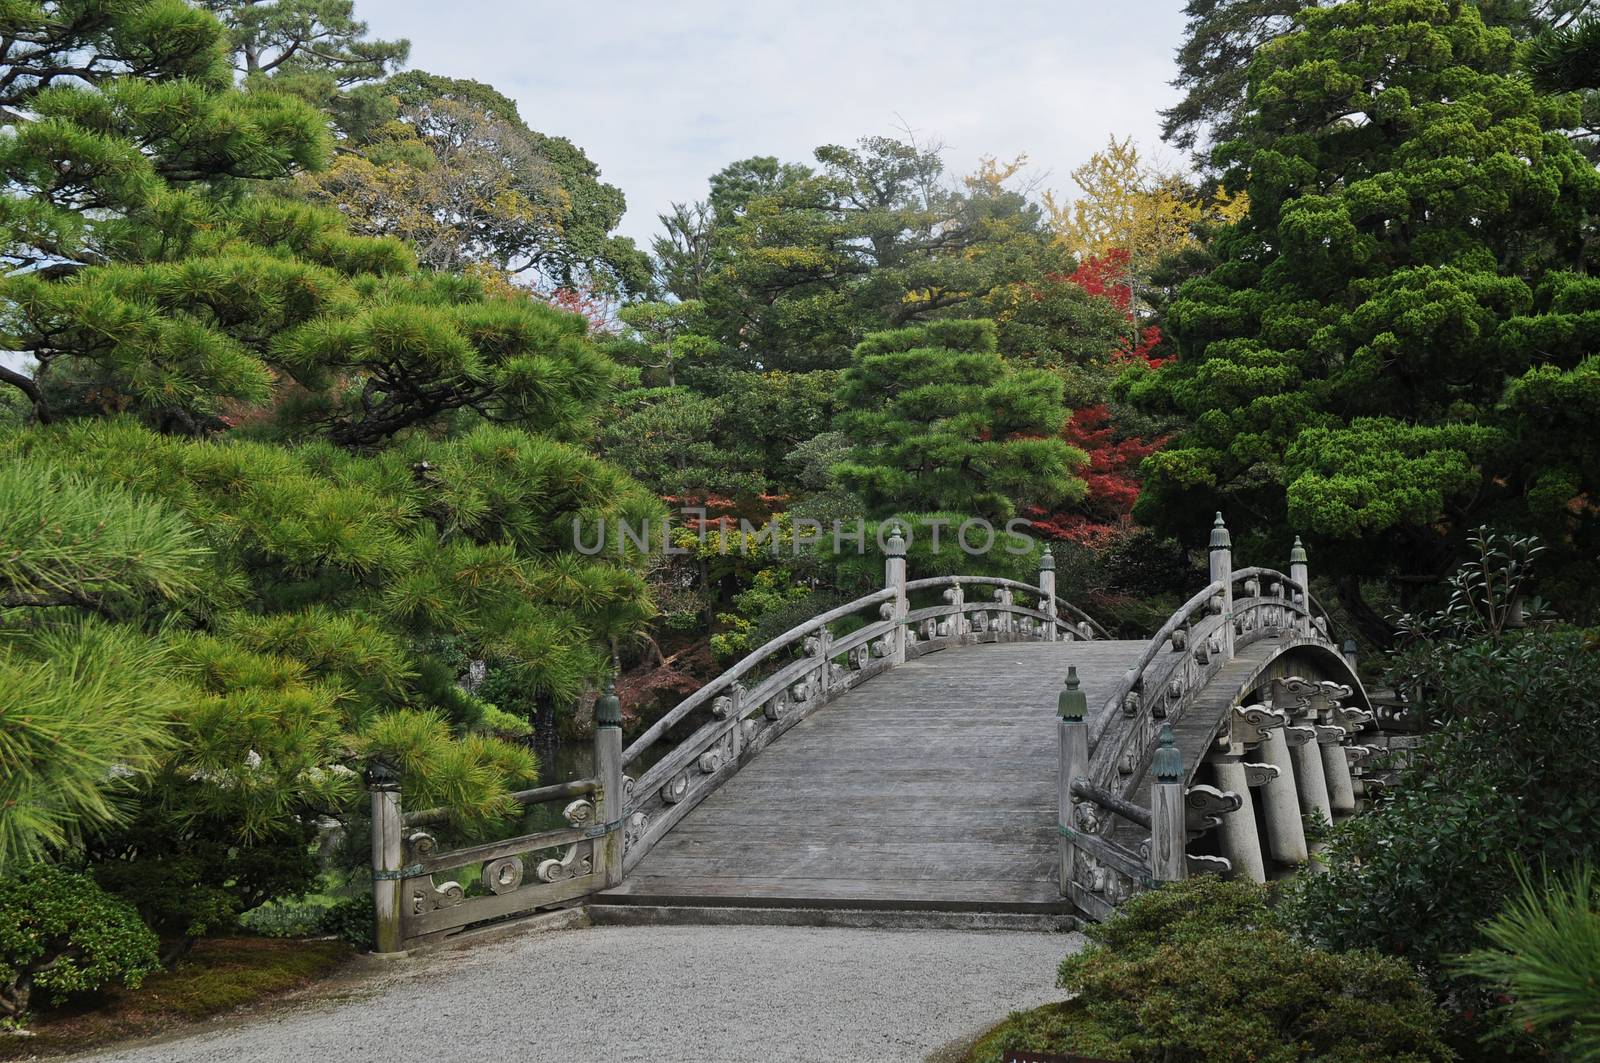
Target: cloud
662	95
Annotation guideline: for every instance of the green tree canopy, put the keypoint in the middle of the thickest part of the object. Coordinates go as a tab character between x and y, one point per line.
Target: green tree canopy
1416	215
296	490
296	37
151	283
1221	38
525	202
939	422
795	265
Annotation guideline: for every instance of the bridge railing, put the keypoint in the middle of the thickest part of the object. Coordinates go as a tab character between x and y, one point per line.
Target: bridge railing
1109	841
615	817
512	875
1187	650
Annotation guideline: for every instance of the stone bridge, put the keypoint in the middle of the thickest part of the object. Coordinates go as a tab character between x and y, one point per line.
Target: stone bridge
957	744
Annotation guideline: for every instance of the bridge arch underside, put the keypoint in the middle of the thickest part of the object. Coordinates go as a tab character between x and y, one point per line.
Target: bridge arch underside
1247	680
1201	727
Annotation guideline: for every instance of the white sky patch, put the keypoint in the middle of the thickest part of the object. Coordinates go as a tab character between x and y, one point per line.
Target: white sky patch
662	95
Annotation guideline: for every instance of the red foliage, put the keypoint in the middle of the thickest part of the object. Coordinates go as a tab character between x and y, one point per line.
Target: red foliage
1106	276
718	508
598	310
1110	476
1112	492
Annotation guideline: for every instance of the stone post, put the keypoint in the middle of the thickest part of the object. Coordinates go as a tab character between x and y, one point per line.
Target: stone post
1047	593
610	798
1240	843
1222	569
1286	835
1336	769
388	849
1072	737
1301	574
894	579
1350	653
1169	836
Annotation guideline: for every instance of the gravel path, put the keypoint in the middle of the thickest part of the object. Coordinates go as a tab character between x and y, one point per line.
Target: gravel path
657	994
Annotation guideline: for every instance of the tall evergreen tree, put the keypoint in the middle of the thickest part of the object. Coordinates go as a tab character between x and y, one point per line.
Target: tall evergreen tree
1417	231
296	37
1222	37
939	422
364	468
795	265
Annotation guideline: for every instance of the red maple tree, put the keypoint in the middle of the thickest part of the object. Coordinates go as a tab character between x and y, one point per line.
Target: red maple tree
1102	516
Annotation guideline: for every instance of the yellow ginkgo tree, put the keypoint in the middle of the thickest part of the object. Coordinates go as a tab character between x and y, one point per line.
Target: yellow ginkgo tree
1129	206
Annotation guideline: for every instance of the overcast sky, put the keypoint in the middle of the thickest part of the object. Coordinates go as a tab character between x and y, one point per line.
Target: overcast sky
663	94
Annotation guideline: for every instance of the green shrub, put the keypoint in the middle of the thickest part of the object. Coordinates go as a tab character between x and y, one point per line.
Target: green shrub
1546	957
191	877
1255	995
1506	774
62	934
351	920
1201	971
288	918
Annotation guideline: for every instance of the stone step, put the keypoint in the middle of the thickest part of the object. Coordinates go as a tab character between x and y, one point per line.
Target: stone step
854	918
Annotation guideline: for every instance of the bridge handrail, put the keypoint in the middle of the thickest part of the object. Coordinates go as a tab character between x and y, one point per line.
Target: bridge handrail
745	664
536	796
1288	581
935	582
1110	708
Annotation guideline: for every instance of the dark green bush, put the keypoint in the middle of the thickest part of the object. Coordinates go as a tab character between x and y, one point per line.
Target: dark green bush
63	934
190	877
287	918
351	920
1508	773
1201	971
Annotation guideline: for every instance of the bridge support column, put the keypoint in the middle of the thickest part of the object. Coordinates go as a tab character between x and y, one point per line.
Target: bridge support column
1222	569
1169	833
1336	767
894	579
1047	593
1072	738
388	829
1286	836
1240	843
611	799
1309	779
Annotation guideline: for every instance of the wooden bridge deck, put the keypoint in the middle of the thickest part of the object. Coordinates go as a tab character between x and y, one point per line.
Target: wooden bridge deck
933	786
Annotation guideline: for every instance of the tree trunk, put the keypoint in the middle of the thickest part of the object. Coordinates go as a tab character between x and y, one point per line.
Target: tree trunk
1368	620
173	950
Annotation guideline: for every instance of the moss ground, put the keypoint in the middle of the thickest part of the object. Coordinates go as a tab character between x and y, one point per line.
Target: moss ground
219	975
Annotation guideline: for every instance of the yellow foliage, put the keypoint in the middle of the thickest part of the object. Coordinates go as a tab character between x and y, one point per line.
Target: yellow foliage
1125	203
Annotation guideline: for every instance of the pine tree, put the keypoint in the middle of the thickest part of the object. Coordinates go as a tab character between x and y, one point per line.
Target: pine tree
84	699
939	421
1414	208
301	486
152	283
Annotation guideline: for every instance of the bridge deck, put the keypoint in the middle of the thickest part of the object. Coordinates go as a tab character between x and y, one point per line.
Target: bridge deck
932	786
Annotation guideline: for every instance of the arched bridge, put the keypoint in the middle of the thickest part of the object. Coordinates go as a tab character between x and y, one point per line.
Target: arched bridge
957	743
